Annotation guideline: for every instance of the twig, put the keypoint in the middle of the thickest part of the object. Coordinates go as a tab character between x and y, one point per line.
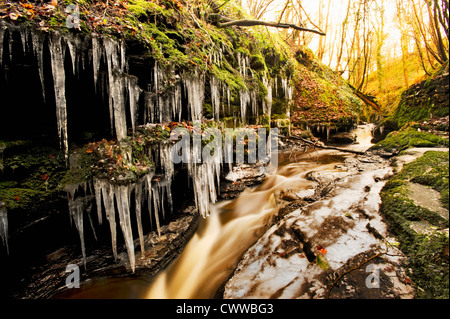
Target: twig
354	268
249	23
322	146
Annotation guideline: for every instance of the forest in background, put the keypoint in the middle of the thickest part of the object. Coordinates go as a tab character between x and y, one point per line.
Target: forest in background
380	46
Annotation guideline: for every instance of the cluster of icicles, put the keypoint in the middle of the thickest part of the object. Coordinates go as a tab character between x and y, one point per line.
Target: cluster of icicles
157	194
162	104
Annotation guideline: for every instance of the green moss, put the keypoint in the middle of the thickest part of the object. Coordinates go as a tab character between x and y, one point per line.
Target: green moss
410	137
427	253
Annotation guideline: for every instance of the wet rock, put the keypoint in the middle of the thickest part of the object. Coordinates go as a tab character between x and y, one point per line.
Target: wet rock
239	178
343	138
288	196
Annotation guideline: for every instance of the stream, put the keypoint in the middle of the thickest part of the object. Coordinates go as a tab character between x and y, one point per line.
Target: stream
240	233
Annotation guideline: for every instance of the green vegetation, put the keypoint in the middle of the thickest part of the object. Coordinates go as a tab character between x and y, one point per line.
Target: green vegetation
428	253
31	175
322	97
410	137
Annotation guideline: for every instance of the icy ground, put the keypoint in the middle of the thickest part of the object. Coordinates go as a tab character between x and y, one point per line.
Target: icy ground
304	254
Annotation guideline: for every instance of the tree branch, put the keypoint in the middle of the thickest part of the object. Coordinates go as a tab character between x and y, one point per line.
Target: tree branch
250	23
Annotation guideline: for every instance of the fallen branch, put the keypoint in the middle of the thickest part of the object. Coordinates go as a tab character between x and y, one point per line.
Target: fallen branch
368	99
322	146
249	23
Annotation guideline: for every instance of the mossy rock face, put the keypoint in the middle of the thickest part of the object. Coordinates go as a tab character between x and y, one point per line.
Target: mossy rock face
423	100
409	137
427	252
322	97
30	175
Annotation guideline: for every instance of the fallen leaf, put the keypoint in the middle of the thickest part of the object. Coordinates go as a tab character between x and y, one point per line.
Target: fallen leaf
13	16
17	198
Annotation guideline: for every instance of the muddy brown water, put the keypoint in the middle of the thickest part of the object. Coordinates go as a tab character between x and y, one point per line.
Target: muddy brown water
233	226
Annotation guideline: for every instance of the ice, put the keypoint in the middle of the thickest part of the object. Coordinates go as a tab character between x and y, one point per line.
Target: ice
150	198
205	176
2	37
4	225
76	209
98	198
176	102
243	62
96	56
194	86
59	83
245	101
108	201
73	43
215	97
167	168
2	148
267	103
138	204
122	193
134	92
287	89
254	102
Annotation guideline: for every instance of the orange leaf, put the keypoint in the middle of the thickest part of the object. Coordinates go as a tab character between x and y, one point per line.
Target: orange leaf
17	198
323	251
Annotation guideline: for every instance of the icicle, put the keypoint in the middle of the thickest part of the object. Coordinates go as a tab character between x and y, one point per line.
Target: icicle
59	82
177	102
134	92
245	101
4	225
98	199
2	148
76	213
229	99
276	86
38	49
96	56
195	90
267	105
254	102
108	202
123	206
73	43
168	169
205	177
138	204
118	105
23	37
2	37
88	209
148	188
215	97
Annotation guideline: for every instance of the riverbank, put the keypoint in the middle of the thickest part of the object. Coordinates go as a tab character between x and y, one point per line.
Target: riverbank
341	247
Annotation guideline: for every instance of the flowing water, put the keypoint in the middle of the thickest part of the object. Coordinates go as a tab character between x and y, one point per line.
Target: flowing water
222	238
